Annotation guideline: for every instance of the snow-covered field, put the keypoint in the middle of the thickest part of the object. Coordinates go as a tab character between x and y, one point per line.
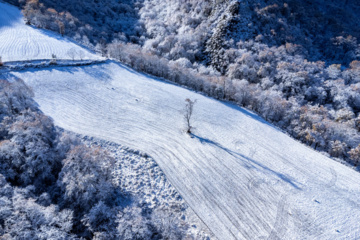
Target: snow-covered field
244	178
21	42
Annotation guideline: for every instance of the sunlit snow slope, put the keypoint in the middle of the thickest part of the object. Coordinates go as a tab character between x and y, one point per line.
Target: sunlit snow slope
21	42
243	177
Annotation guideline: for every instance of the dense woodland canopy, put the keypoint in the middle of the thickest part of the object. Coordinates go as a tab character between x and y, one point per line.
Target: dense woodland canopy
296	63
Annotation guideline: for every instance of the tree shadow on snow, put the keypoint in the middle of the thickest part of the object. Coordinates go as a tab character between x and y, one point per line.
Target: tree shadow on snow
254	164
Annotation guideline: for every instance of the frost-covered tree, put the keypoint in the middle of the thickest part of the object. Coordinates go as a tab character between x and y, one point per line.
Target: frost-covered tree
28	139
133	225
101	221
81	55
86	177
30	220
168	225
71	53
27	154
22	217
338	149
14	98
355	155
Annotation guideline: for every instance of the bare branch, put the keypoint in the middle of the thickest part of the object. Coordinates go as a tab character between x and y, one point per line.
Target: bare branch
71	53
188	111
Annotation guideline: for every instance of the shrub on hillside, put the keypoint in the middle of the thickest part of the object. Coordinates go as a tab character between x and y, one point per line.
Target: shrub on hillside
86	178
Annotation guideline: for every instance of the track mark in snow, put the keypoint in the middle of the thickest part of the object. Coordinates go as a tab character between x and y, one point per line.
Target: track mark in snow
333	180
281	221
256	186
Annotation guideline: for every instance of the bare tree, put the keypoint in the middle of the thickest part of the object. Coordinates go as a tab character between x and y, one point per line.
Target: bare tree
53	59
61	28
71	53
101	47
188	111
81	55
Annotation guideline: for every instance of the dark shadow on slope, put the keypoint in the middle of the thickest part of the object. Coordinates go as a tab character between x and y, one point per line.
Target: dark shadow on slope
8	17
254	163
57	36
96	73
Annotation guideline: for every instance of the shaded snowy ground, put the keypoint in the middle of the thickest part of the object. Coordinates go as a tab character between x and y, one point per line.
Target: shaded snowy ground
243	177
21	42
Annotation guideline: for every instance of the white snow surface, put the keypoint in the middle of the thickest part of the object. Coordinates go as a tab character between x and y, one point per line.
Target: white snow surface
243	177
21	42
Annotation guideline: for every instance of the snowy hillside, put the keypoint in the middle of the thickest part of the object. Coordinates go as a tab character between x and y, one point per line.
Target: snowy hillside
296	64
21	42
244	178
